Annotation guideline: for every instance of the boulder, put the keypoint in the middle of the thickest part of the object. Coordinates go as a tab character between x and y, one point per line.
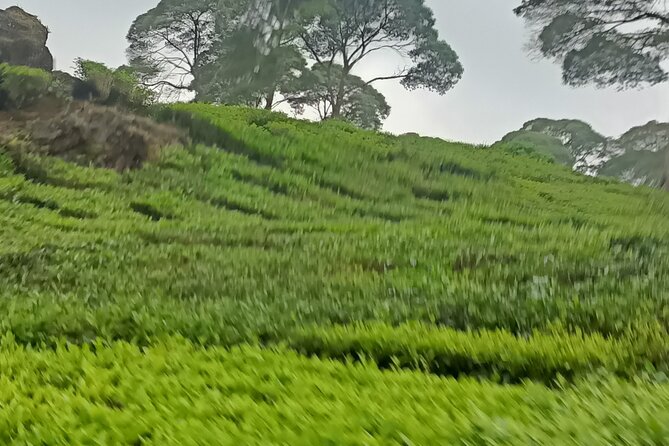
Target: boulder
86	133
23	39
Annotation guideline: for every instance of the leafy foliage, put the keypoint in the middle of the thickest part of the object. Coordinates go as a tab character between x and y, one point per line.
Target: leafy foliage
528	142
174	394
345	32
618	42
318	89
490	355
22	86
257	52
167	43
107	86
241	74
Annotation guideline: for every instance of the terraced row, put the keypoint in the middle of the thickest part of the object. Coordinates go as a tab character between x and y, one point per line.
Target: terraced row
175	394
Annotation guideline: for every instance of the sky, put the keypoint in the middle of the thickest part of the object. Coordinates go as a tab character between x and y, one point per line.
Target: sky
502	88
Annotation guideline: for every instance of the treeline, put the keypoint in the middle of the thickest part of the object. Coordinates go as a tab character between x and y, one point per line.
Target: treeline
303	53
306	53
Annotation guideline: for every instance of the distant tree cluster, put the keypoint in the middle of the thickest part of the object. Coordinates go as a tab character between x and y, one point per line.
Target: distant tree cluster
302	52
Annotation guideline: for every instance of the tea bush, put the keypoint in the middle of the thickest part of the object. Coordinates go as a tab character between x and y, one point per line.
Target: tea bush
271	235
491	355
22	86
175	394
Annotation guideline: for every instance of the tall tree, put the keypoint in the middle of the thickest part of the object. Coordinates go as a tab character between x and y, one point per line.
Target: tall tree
239	74
167	43
336	36
254	62
346	32
621	43
318	89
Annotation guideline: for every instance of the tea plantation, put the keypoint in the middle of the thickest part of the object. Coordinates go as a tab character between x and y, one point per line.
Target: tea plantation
284	283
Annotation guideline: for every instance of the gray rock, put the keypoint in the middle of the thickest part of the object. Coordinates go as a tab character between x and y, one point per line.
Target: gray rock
23	39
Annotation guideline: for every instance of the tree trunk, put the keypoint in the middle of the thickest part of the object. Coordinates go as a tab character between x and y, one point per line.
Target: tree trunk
336	110
338	102
269	101
339	99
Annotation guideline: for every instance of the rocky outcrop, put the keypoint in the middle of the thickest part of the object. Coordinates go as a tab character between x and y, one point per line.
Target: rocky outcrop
23	39
639	156
88	134
102	136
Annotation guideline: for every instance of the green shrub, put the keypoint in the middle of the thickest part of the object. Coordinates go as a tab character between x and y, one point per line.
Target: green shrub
492	355
6	164
176	394
522	149
22	86
108	86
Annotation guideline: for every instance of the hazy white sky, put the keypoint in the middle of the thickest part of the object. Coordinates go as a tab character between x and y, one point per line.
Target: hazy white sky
502	87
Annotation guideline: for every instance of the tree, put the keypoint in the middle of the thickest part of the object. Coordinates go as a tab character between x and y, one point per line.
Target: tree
167	43
336	36
244	68
619	43
252	80
345	32
318	89
256	50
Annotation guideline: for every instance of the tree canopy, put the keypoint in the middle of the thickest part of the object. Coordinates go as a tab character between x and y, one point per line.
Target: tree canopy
318	88
167	42
619	43
245	68
346	32
305	52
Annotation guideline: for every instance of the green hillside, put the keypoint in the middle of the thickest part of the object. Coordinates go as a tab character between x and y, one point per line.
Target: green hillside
541	143
285	282
639	156
638	167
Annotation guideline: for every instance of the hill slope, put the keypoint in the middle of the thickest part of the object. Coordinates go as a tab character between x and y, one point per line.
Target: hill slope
396	252
639	156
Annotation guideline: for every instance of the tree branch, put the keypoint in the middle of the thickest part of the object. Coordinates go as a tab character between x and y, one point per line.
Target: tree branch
166	83
387	78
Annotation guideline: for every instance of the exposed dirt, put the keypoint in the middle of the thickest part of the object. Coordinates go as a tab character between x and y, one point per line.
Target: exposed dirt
86	133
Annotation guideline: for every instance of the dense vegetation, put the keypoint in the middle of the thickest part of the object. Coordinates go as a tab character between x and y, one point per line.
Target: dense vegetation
639	156
613	43
175	394
306	53
452	261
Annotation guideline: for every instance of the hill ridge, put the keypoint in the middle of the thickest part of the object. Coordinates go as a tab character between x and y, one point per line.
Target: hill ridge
639	156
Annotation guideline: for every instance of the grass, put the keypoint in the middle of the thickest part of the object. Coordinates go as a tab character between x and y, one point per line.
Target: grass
271	235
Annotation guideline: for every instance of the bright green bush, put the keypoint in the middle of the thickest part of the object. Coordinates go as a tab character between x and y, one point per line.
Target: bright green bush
393	252
108	86
22	86
173	393
6	164
496	355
